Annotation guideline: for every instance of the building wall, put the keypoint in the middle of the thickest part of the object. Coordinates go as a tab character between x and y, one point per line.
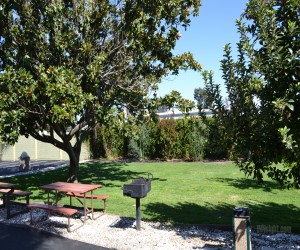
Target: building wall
38	150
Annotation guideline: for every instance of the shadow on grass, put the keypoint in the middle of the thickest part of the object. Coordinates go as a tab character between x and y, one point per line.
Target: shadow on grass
244	183
90	172
95	172
110	174
33	182
220	216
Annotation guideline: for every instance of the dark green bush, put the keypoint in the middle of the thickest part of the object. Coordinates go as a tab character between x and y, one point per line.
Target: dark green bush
187	139
216	148
107	140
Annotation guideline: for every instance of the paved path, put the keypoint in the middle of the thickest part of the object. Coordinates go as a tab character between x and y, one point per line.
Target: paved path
12	167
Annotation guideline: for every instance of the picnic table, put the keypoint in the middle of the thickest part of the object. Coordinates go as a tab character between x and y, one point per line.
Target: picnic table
8	191
74	188
9	187
78	190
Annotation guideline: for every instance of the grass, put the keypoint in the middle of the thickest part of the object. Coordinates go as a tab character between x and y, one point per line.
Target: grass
188	193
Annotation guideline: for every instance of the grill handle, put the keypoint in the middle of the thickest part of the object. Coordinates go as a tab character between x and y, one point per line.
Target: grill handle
149	174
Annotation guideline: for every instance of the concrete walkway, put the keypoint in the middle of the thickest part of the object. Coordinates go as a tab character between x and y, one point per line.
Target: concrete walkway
11	168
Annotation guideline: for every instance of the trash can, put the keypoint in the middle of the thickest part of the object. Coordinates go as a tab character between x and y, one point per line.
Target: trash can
241	228
24	162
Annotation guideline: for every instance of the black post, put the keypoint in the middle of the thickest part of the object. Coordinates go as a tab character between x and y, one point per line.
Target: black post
138	213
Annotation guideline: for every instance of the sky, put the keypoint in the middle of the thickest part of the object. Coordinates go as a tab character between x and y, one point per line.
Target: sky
205	38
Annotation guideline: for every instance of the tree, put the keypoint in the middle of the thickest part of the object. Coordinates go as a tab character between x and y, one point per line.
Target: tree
175	100
263	86
200	97
66	65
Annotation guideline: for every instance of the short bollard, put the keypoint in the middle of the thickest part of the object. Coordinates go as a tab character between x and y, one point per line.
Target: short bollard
241	228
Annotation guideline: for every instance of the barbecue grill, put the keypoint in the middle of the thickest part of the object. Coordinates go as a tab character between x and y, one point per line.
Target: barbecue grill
138	188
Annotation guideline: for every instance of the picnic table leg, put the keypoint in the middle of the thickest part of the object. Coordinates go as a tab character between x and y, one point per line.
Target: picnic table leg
104	206
84	206
92	201
56	198
27	199
48	197
31	221
7	200
7	203
69	229
4	200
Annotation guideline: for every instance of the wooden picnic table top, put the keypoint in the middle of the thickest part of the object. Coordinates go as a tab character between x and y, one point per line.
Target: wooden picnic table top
71	187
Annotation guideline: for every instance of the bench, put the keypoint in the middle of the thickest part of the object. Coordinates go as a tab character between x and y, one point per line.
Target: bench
16	193
95	197
52	208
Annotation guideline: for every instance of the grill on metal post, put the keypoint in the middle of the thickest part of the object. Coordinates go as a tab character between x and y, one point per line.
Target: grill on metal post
138	188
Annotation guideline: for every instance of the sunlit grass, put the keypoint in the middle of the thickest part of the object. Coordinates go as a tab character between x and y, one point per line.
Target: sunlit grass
190	193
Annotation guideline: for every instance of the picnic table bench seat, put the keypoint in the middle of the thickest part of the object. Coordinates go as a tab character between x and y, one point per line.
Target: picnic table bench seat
103	197
15	193
52	208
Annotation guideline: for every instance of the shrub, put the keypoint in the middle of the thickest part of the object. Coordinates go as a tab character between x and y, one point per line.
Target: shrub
188	139
216	147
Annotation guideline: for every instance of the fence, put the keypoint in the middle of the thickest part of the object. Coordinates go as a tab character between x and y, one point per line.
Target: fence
38	150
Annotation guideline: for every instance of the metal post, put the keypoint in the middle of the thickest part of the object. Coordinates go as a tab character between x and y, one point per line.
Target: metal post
138	214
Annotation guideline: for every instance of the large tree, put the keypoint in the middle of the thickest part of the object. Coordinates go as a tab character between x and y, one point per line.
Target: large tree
263	86
66	64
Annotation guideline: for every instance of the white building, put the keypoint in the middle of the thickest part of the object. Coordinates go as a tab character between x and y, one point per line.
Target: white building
176	114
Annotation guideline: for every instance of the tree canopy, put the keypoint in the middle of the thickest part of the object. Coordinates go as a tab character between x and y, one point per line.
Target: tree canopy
66	65
263	87
175	100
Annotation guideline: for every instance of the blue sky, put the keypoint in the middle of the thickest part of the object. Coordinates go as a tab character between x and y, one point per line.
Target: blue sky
205	38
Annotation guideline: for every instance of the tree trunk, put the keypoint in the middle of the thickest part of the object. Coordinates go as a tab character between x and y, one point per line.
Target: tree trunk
74	155
94	146
73	170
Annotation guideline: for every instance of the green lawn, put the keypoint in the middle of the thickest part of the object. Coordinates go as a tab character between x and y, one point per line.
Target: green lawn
190	193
